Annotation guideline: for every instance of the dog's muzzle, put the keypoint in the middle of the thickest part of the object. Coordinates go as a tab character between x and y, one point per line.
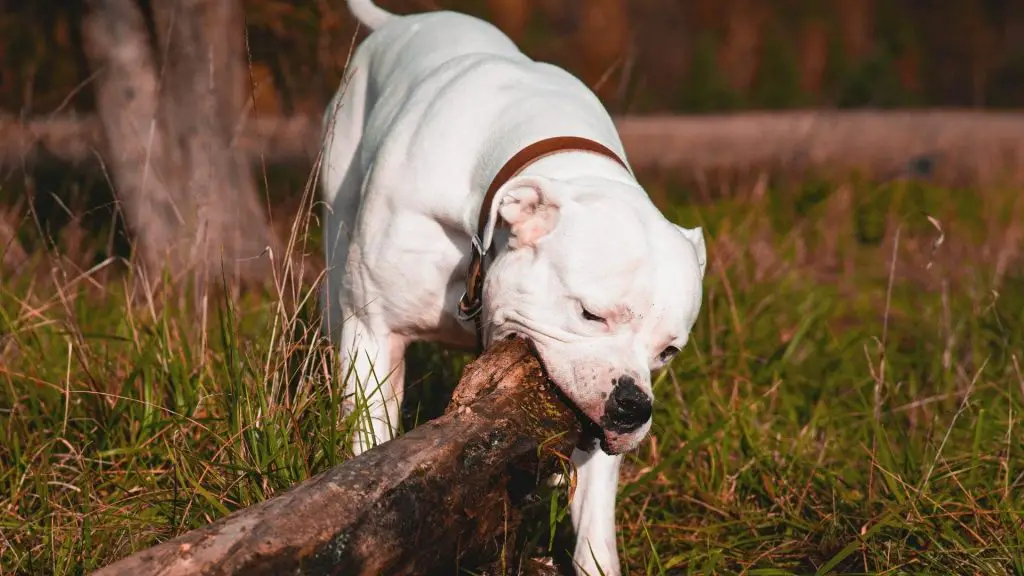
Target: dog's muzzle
628	407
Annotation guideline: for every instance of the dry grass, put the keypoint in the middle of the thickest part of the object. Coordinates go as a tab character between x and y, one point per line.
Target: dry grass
850	401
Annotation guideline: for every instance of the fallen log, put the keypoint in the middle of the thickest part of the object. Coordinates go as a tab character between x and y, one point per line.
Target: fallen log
951	147
78	139
960	147
444	496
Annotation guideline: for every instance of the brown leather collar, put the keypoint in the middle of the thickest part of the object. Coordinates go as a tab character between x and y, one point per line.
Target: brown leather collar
472	301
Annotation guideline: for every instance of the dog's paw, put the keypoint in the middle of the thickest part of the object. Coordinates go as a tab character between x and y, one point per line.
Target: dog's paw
596	560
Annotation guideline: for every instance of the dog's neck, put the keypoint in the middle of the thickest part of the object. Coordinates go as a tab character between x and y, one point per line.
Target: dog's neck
584	167
565	165
576	165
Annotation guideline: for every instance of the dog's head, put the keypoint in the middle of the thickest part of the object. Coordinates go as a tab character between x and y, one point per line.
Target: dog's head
603	285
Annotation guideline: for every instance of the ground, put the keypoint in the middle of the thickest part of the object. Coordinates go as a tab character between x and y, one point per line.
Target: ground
850	400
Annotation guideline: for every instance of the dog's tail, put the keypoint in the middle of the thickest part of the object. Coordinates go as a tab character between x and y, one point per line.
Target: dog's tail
371	15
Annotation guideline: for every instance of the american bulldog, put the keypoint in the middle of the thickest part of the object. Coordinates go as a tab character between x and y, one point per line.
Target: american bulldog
473	194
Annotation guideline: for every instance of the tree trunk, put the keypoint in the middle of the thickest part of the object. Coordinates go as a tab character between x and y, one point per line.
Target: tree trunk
188	192
739	52
511	16
856	27
142	159
444	496
601	45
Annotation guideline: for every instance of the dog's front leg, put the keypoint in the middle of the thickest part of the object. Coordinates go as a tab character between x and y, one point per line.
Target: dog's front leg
593	512
373	372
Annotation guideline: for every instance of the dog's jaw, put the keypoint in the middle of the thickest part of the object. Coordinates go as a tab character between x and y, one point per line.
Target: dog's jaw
594	435
614	443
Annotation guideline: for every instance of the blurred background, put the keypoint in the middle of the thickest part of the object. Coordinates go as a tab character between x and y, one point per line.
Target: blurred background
683	56
642	57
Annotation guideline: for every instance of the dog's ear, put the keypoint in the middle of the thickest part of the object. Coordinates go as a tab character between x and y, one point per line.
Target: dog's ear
696	237
530	205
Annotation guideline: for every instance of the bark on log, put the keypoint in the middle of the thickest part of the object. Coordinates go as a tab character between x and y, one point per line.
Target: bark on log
957	147
445	495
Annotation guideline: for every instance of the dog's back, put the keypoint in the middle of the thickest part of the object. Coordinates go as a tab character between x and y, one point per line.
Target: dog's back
401	51
435	38
445	97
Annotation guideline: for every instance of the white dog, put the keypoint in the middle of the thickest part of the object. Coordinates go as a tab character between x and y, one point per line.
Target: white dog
448	154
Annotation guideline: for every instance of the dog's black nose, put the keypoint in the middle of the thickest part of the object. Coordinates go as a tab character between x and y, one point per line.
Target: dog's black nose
627	408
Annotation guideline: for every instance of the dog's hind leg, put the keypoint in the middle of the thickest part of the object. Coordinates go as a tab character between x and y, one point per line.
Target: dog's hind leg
593	512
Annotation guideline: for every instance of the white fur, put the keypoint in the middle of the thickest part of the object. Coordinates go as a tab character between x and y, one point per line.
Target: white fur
368	13
434	105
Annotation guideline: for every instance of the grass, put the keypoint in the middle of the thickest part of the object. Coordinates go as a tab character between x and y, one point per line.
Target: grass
850	401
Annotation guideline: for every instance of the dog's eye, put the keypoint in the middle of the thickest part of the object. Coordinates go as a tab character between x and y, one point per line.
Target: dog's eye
590	316
668	353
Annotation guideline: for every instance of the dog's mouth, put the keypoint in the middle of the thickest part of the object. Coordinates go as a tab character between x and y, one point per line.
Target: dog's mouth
593	434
